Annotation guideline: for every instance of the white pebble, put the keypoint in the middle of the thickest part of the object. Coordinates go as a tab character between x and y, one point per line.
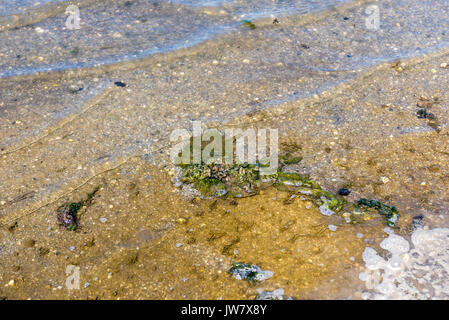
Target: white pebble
384	179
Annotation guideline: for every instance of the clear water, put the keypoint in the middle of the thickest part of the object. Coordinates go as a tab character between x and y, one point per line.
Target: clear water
169	31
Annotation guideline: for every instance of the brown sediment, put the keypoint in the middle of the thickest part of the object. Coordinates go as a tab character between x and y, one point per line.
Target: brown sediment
155	244
362	133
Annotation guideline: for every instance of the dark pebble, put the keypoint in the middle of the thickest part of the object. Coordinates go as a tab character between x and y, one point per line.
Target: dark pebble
423	114
344	192
73	91
120	84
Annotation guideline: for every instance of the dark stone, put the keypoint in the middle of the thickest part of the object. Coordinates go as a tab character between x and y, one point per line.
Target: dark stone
423	114
120	84
344	192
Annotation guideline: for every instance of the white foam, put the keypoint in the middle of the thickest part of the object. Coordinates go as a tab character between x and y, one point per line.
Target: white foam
395	244
418	273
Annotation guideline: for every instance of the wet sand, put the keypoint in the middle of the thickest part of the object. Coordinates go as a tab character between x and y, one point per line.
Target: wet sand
342	97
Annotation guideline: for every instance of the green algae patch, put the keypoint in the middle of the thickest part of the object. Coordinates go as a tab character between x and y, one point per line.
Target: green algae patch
68	212
249	24
221	180
243	180
289	159
391	213
75	51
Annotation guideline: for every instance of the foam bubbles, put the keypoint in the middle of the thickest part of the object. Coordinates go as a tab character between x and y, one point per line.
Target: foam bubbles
395	244
418	273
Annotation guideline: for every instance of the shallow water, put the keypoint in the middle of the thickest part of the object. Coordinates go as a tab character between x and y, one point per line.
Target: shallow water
168	26
343	96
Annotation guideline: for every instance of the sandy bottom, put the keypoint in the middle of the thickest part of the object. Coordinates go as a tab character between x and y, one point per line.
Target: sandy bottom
338	94
140	239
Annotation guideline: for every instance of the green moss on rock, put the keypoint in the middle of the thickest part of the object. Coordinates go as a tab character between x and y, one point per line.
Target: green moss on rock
242	180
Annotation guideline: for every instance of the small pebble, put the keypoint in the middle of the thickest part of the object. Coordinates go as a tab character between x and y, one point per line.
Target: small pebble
103	220
332	227
178	245
344	192
120	84
384	179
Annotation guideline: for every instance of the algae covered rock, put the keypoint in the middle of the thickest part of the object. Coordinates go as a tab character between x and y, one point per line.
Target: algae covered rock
67	215
220	180
252	273
243	180
391	213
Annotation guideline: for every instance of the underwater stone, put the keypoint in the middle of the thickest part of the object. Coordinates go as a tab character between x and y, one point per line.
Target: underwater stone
344	192
67	215
277	294
243	180
252	273
326	211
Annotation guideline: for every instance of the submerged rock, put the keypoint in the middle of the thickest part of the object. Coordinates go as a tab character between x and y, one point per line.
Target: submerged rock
243	180
391	213
67	215
252	273
277	294
344	192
